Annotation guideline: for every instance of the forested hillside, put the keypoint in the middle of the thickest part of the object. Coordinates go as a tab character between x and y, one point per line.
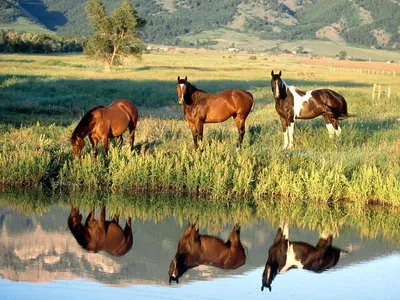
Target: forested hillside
359	22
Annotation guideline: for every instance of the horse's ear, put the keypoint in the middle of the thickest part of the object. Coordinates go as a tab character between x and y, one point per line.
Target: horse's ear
179	78
185	79
272	73
280	73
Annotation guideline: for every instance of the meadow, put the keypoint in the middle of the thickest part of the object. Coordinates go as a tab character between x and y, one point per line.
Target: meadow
43	97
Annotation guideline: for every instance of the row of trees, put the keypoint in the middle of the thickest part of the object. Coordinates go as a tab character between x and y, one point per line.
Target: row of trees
15	42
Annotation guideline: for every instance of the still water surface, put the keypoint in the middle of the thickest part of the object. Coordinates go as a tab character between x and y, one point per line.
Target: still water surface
41	259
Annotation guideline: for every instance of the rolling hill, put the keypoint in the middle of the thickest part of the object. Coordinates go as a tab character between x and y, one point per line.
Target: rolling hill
205	23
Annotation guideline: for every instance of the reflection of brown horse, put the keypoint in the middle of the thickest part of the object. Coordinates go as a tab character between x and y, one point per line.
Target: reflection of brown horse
200	107
100	234
195	249
101	123
284	255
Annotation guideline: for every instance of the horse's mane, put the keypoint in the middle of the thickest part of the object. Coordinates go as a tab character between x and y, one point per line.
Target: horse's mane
195	88
83	126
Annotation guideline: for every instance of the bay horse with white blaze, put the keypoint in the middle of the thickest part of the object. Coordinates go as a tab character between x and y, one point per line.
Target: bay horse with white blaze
200	107
101	123
284	255
195	249
292	103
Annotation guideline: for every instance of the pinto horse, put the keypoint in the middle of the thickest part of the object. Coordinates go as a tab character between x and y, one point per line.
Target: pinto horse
100	234
292	103
200	107
284	255
195	249
101	123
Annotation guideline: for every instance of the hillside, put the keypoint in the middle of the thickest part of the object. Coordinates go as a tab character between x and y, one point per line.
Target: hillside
185	22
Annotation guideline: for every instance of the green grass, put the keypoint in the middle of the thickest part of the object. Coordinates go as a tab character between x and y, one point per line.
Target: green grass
49	94
22	24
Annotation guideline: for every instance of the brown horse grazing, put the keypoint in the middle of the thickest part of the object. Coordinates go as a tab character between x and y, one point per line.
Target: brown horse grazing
284	255
195	249
292	104
100	234
101	123
200	107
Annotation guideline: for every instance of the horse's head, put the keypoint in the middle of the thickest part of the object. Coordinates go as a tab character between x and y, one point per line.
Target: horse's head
181	87
177	268
77	144
74	217
276	258
277	85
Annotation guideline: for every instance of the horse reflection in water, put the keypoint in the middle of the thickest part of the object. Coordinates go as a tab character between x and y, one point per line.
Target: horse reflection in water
97	235
195	249
284	255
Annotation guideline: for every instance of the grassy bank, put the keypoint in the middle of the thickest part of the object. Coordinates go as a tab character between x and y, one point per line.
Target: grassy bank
370	222
48	95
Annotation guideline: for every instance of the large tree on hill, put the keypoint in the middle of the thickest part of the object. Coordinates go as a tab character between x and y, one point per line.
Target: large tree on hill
114	36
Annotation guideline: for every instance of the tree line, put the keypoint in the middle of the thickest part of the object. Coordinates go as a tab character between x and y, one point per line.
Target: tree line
16	42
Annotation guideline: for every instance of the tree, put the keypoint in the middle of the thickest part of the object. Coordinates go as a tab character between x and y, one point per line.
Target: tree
342	55
114	36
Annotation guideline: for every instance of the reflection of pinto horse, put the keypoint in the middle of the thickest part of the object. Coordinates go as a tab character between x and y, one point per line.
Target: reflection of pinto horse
284	255
200	107
292	104
101	123
195	249
100	234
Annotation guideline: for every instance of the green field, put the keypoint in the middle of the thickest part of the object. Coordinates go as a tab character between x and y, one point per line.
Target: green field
22	24
43	97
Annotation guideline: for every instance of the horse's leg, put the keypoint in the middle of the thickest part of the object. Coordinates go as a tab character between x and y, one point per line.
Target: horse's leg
199	130
94	145
132	130
290	134
102	218
329	125
336	126
90	217
194	134
104	141
285	133
240	124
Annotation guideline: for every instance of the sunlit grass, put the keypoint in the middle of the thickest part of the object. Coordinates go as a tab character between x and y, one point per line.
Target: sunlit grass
49	94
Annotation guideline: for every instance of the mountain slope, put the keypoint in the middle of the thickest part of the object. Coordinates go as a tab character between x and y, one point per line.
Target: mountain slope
360	22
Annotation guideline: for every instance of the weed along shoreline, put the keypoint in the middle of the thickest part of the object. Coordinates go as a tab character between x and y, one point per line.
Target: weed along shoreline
42	104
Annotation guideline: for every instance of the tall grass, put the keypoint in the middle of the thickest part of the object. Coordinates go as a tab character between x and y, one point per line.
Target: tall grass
362	166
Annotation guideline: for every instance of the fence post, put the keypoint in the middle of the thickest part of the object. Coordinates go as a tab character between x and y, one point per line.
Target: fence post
379	92
373	91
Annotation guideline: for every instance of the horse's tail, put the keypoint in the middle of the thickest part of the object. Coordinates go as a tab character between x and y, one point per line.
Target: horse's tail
252	99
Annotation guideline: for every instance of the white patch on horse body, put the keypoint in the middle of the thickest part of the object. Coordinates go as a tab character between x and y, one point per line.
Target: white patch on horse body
291	260
298	100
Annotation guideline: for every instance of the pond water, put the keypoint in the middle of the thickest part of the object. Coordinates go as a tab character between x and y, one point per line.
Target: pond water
40	258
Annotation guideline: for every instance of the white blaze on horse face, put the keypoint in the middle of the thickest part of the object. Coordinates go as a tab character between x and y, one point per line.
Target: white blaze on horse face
182	94
298	100
276	89
286	231
291	260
